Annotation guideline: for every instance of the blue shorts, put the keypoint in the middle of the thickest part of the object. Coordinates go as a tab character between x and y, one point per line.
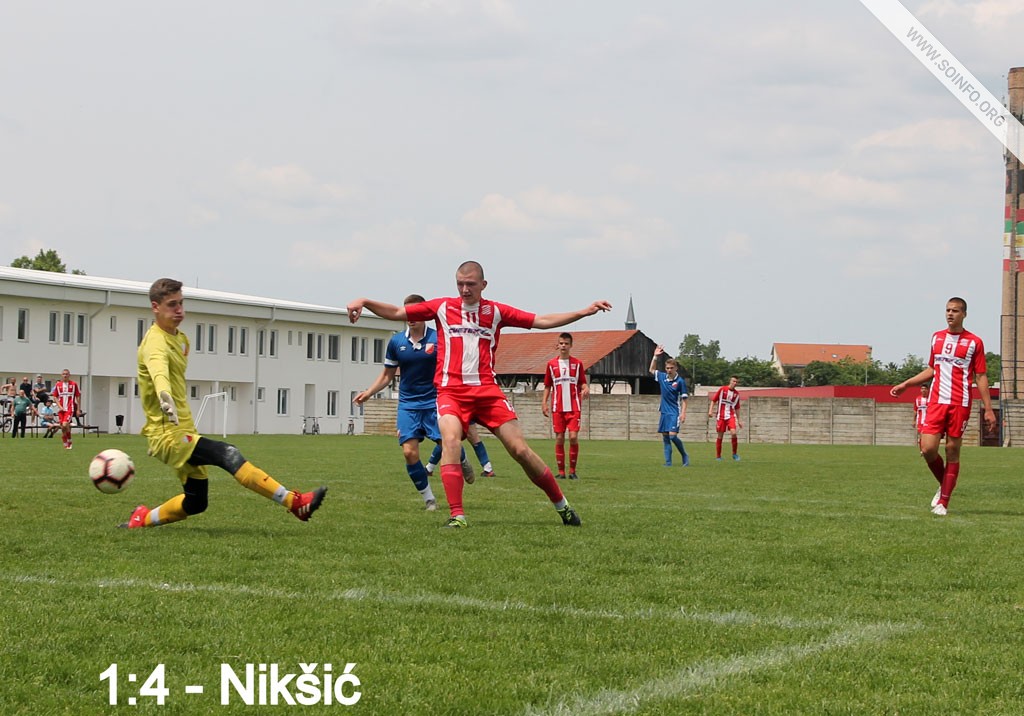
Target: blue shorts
669	423
417	425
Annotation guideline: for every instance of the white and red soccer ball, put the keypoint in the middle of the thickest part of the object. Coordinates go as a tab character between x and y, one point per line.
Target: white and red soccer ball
112	471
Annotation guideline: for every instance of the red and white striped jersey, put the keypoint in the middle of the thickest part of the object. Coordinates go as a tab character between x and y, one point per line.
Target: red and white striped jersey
66	393
728	403
467	337
565	378
921	406
956	358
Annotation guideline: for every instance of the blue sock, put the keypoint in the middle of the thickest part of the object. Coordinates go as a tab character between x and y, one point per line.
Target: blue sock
481	453
462	455
418	475
435	456
668	448
679	444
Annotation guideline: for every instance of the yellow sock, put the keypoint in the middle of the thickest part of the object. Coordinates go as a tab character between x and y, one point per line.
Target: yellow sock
170	511
260	482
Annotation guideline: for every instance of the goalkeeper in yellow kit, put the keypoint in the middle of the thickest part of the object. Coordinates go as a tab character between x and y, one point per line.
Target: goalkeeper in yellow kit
173	439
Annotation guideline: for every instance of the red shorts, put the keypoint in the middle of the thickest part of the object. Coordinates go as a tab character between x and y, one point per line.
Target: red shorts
65	416
727	424
486	405
948	419
566	421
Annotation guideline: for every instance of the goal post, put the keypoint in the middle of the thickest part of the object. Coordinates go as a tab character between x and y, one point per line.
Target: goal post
223	397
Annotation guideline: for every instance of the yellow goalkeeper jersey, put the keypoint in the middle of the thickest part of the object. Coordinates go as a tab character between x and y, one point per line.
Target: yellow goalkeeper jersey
163	359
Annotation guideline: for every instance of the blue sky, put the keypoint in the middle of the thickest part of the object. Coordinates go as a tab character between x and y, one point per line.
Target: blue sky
751	172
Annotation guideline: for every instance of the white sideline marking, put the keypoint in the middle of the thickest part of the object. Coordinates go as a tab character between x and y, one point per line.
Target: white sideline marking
710	672
688	680
731	618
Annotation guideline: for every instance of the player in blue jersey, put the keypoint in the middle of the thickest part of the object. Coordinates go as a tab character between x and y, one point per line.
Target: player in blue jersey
673	405
414	351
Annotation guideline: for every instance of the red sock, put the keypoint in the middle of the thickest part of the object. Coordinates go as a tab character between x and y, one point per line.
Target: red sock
574	452
949	483
546	481
735	444
718	447
451	478
560	458
938	469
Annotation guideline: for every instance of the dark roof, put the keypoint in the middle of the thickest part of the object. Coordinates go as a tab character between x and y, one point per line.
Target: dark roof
529	353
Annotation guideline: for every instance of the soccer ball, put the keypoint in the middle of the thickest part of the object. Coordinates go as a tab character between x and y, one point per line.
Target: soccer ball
111	471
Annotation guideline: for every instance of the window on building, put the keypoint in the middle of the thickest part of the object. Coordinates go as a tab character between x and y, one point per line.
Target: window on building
200	334
378	350
261	395
113	324
243	341
355	349
273	344
140	331
122	390
289	337
22	324
334	347
193	392
66	334
81	326
309	346
362	350
232	331
332	403
319	346
232	393
261	342
282	401
211	339
54	326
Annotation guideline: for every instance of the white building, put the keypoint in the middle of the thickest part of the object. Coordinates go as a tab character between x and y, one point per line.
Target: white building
275	361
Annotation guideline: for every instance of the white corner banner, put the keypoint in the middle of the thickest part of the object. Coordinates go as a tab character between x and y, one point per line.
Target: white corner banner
950	72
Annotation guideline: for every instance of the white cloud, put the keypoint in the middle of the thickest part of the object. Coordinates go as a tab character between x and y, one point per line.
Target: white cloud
498	213
736	245
202	216
839	187
985	14
368	247
288	193
946	135
451	30
573	207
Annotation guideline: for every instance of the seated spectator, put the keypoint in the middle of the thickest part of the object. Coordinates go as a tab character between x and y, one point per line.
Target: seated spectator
22	409
39	393
26	385
48	418
7	392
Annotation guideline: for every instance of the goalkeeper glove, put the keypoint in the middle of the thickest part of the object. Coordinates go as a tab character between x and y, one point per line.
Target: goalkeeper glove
167	405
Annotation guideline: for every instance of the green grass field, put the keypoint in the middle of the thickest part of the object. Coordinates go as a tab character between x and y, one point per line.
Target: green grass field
802	580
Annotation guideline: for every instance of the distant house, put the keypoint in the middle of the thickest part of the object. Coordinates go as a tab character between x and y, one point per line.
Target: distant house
609	357
797	356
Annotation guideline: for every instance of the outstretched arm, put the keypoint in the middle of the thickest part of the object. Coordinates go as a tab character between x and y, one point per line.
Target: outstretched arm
923	377
654	359
386	376
557	320
379	308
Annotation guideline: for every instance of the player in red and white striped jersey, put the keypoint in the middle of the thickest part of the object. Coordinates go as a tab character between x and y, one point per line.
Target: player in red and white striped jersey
565	385
956	359
69	400
468	329
920	410
725	405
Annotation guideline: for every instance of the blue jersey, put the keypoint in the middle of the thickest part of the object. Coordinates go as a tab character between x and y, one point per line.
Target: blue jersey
417	363
673	393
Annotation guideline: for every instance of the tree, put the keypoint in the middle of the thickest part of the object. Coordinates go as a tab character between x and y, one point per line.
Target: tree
754	371
45	260
995	367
